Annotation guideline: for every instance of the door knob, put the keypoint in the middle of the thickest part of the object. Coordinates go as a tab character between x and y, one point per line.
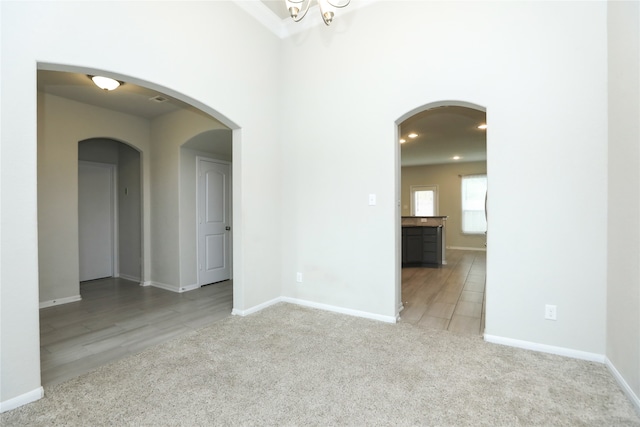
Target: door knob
227	228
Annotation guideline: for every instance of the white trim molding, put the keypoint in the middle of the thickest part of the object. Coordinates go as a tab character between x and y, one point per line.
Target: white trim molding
130	278
21	400
311	304
172	288
59	301
465	248
544	348
256	308
626	388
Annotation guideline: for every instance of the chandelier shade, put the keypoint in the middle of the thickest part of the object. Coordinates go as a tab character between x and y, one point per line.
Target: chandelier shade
298	9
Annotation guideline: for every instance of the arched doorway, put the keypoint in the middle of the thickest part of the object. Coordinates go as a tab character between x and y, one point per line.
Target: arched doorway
65	121
441	187
110	239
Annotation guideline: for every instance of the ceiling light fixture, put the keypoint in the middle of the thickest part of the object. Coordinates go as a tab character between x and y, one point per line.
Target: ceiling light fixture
327	9
482	126
105	83
402	140
413	135
456	157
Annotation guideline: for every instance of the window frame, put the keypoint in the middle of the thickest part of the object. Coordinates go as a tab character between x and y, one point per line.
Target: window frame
462	210
414	188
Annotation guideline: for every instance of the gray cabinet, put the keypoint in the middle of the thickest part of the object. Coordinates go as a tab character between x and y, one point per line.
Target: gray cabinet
421	246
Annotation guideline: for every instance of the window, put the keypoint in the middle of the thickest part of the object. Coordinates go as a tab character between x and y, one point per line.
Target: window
474	193
424	200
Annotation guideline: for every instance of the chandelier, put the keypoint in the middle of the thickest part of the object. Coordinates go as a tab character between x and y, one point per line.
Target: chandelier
327	8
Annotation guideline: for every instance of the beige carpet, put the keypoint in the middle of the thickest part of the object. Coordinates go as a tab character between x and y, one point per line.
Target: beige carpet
293	366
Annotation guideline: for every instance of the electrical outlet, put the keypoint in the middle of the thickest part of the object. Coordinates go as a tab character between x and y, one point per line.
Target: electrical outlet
299	277
550	312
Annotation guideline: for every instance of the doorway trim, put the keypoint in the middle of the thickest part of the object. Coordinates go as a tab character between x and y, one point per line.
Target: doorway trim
398	189
200	158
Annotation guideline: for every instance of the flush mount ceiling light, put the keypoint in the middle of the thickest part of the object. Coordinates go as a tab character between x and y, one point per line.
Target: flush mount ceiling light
402	140
105	83
413	135
456	157
482	126
327	8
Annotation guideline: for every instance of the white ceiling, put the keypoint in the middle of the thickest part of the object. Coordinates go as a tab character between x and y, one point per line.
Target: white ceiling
443	133
128	98
278	7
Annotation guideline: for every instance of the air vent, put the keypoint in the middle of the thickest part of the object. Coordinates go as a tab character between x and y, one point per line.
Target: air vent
158	99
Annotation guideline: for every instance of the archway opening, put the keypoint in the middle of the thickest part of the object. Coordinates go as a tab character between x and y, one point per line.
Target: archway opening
442	186
154	128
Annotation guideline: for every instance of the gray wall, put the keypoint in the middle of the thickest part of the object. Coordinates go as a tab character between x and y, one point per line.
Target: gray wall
173	219
62	125
213	144
129	212
623	273
447	178
129	199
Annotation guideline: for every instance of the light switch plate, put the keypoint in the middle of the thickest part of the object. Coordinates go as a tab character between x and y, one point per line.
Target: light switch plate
372	199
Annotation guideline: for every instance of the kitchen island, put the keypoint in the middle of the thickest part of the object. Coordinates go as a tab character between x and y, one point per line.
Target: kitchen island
423	241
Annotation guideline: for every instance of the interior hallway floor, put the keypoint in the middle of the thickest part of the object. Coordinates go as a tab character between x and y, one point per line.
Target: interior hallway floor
117	318
450	297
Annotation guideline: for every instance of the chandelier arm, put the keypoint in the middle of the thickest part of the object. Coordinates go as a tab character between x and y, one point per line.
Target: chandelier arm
304	13
339	6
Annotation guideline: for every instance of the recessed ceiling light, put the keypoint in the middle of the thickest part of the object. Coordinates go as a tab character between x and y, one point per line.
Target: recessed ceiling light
456	157
105	83
402	140
482	126
413	135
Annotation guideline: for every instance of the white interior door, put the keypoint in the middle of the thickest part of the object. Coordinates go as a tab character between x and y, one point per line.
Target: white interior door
96	220
214	221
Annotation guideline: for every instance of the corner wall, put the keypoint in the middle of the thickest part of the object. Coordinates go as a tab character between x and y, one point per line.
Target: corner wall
62	125
623	249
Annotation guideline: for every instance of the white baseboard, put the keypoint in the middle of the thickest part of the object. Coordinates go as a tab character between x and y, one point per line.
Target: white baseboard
21	400
59	301
131	278
146	283
544	348
311	304
172	288
189	287
464	248
635	400
256	308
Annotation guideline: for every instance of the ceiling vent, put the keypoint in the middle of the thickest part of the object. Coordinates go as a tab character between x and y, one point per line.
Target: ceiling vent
158	99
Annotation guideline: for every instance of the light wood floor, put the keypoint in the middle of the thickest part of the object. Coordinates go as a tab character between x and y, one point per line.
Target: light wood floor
116	318
450	297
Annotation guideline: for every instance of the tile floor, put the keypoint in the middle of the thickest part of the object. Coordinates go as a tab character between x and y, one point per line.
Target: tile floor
450	297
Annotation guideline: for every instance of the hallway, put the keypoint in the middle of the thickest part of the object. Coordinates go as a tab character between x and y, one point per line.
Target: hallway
448	298
117	318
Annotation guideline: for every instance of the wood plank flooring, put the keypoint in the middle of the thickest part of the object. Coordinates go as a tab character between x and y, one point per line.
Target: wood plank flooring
116	318
450	297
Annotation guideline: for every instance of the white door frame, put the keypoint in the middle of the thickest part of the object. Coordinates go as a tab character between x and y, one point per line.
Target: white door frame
113	169
197	219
